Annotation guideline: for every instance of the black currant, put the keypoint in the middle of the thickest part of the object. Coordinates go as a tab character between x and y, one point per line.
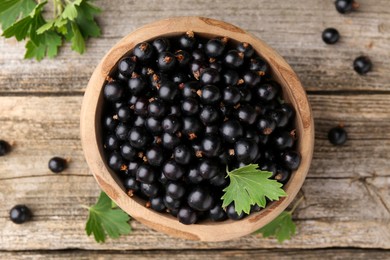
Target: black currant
230	77
183	154
139	121
151	190
231	131
251	78
171	203
141	107
210	94
282	140
166	61
161	44
20	214
171	124
187	216
199	198
57	164
208	168
170	141
155	155
4	147
291	159
209	76
153	125
131	183
143	51
234	59
345	6
278	116
246	150
115	161
246	114
190	106
259	65
217	213
136	84
187	41
231	95
172	170
157	203
219	180
193	175
232	214
189	89
111	142
146	174
192	127
124	113
215	47
126	66
362	65
176	190
183	58
211	145
266	92
113	91
139	138
109	123
337	136
168	91
330	36
157	108
210	115
265	125
246	48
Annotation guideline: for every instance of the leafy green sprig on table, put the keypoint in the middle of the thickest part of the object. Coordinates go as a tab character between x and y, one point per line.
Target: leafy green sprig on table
248	186
72	21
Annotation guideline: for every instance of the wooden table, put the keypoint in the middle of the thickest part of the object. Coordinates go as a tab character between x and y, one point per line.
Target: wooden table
346	211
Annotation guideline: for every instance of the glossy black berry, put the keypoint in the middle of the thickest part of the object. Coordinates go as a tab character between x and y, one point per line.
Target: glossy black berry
141	107
232	214
151	190
132	167
170	141
187	216
246	114
231	131
131	183
230	77
124	113
180	77
345	6
153	125
166	61
20	214
337	136
175	189
4	147
231	95
171	124
291	159
139	138
136	84
252	78
209	76
115	161
282	140
157	203
121	132
190	106
234	59
362	65
210	94
146	174
57	164
113	91
200	199
193	175
219	180
143	51
330	36
246	94
183	58
288	110
266	92
210	115
265	125
187	41
211	145
109	123
278	116
126	66
157	108
259	65
139	121
183	154
208	168
155	155
246	151
217	213
192	127
171	203
189	89
215	47
111	142
246	48
161	44
168	91
172	170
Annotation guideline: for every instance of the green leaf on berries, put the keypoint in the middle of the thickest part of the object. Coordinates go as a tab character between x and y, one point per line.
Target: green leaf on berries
104	219
12	10
282	227
250	186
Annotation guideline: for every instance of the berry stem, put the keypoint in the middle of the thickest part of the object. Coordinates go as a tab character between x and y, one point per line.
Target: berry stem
296	205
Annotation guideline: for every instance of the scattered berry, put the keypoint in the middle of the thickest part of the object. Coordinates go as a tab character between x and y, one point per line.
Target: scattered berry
4	147
337	135
20	214
330	36
57	164
362	65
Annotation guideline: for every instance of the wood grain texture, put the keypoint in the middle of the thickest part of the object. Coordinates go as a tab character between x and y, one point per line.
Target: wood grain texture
346	203
274	254
293	28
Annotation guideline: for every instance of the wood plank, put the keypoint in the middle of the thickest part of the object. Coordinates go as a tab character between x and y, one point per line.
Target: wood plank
274	254
294	29
39	134
336	212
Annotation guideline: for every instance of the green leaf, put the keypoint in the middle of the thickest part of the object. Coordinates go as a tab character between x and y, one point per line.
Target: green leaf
78	42
250	186
48	44
103	219
282	227
47	26
86	22
70	11
34	51
12	10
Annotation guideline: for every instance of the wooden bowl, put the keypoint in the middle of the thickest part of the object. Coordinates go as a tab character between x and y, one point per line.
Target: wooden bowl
205	231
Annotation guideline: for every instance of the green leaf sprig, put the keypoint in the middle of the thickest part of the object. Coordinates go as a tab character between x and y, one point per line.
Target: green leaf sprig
282	227
106	218
250	186
73	21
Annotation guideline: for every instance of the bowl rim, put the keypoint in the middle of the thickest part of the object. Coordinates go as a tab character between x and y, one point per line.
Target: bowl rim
205	231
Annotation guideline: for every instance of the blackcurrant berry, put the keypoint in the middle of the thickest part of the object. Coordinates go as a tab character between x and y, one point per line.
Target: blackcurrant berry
170	141
115	161
192	126
176	190
20	214
131	183
231	95
122	132
208	168
234	59
211	145
282	140
126	66
187	216
190	106
200	199
330	36
143	51
199	55
4	147
141	107
217	213
57	164
230	77
362	65
139	138
193	175
246	114
171	203
246	150
232	214
291	159
124	113
171	124
136	84
180	77
246	48
157	203
183	154
219	180
139	121
161	44
278	116
166	61
210	94
172	170
157	108
209	76
146	174
168	91
231	131
251	78
345	6
183	58
210	115
188	41
132	167
337	136
113	91
215	47
151	190
265	125
155	155
153	125
111	142
259	65
189	89
109	123
266	92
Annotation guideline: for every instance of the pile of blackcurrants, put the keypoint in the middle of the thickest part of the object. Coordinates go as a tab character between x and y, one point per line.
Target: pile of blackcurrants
179	111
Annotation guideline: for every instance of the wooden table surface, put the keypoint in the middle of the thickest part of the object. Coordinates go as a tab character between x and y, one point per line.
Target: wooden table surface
346	211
